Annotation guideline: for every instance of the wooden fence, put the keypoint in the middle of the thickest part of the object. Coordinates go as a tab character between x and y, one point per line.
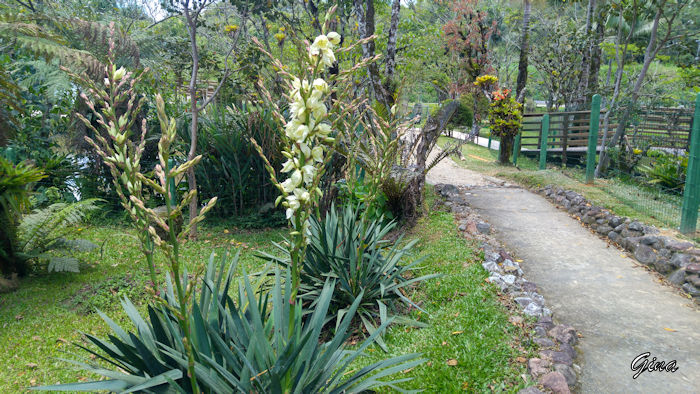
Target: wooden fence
569	131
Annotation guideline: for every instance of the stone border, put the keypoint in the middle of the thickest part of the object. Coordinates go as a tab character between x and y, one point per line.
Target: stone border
554	368
678	261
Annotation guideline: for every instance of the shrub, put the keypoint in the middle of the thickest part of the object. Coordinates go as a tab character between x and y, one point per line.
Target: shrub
230	168
374	205
353	250
463	116
46	235
14	199
666	170
505	116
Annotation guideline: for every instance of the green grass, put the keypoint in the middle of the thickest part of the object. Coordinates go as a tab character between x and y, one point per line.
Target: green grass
39	319
467	322
622	197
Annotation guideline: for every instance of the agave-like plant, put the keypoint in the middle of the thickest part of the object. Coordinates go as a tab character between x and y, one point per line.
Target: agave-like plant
354	251
240	346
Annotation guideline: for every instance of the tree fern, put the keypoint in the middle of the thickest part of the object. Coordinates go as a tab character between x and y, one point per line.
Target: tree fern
45	234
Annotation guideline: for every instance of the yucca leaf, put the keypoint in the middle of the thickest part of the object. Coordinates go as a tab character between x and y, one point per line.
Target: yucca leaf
161	379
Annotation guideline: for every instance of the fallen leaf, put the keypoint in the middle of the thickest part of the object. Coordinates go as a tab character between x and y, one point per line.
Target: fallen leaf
19	317
32	382
225	231
32	365
407	370
444	343
519	261
452	362
36	338
457	332
669	329
521	360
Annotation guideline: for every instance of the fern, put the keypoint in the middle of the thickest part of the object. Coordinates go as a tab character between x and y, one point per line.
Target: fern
46	234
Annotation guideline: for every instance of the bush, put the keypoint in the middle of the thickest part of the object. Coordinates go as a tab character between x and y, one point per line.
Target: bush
14	199
505	116
46	235
666	170
354	252
359	195
240	346
230	168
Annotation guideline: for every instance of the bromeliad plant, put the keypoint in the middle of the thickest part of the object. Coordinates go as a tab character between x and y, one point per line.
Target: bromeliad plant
505	116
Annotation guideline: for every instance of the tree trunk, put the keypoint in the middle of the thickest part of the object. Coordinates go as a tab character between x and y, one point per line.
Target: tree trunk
506	150
391	43
582	90
649	55
596	55
191	178
366	28
524	48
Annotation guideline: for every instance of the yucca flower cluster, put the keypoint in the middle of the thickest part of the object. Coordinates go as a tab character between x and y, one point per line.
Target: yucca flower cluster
307	132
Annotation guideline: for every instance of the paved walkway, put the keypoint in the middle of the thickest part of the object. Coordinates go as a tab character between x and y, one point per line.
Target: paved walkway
620	309
483	141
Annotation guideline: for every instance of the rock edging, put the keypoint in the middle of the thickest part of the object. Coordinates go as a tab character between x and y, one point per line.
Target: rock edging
678	261
554	368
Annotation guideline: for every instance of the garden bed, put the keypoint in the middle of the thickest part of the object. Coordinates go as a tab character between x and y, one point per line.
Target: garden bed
471	343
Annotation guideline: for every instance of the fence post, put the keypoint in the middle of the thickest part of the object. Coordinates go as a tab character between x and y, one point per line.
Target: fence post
691	195
490	136
592	138
516	149
544	136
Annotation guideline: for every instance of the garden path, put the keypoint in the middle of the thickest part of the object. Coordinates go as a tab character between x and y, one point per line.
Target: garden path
621	309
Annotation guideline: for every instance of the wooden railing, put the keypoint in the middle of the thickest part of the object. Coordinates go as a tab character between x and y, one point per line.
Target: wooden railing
568	131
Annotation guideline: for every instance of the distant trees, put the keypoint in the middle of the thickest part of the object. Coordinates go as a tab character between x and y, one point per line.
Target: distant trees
467	37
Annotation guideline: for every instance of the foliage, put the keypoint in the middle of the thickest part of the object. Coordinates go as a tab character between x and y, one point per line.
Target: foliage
505	114
46	234
239	346
373	206
230	168
14	200
353	251
467	37
625	159
666	170
464	115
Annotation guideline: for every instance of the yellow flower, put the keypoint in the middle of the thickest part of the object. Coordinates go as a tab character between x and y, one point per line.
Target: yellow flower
637	151
279	36
230	28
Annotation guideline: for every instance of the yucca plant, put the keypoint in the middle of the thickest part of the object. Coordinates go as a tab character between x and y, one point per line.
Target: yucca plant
365	265
239	346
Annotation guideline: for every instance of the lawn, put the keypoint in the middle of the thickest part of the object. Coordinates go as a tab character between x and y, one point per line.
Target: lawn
469	343
625	198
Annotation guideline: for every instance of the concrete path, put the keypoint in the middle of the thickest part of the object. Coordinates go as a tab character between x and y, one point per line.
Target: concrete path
621	309
482	141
